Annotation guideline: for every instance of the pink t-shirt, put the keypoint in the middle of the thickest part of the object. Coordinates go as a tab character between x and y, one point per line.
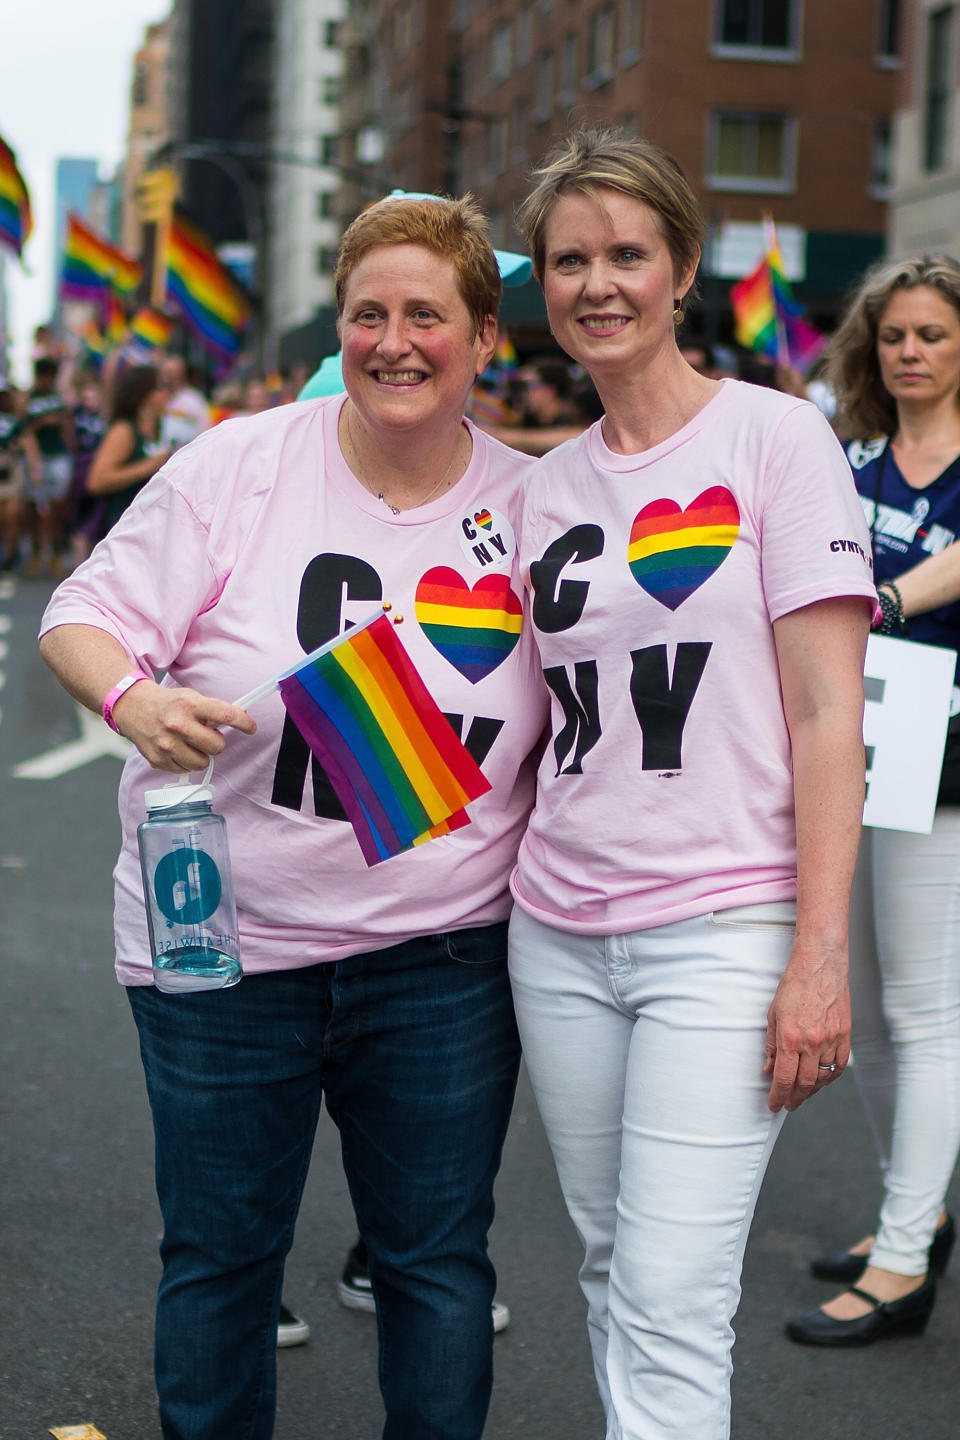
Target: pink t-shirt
666	789
252	546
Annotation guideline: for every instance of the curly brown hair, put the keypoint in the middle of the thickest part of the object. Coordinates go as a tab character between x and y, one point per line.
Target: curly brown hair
865	408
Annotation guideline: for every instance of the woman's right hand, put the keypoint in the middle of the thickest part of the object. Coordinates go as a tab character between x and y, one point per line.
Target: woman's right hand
176	729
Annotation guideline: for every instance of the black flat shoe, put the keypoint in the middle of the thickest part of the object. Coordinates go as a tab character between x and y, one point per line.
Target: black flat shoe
895	1317
847	1269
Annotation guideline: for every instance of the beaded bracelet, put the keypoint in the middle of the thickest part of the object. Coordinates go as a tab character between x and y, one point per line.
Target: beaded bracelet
892	620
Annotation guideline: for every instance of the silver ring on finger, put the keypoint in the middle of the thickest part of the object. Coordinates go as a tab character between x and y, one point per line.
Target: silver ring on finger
832	1067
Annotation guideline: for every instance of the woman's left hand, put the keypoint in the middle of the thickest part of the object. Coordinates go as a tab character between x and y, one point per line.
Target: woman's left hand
808	1027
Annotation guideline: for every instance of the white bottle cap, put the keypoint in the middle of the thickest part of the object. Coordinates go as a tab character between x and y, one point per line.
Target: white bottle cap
179	792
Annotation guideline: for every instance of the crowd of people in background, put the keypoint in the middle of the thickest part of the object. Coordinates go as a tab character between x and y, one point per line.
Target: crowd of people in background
77	446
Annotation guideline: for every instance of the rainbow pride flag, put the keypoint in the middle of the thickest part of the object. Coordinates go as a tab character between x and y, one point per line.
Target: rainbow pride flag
95	344
212	302
151	328
767	316
15	218
92	267
115	324
398	768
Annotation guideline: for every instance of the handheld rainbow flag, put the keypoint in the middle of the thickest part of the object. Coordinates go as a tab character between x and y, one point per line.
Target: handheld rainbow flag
767	316
505	355
212	302
391	755
151	328
16	221
92	266
115	324
95	344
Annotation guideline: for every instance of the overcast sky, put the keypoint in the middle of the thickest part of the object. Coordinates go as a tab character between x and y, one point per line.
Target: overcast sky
65	72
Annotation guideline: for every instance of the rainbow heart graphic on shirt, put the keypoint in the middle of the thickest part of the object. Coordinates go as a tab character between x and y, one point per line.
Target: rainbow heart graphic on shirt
672	552
475	629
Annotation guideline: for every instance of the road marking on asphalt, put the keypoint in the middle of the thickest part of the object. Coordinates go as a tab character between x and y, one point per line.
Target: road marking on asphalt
96	739
8	587
5	623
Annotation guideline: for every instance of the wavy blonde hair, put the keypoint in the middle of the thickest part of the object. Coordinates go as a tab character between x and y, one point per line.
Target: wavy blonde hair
865	407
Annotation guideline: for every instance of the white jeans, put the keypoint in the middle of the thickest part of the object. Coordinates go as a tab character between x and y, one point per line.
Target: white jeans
645	1052
905	984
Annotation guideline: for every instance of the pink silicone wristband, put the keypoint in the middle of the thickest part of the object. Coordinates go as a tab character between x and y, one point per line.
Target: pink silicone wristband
121	688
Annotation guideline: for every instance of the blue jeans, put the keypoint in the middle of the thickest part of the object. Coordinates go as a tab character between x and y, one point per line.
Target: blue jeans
416	1050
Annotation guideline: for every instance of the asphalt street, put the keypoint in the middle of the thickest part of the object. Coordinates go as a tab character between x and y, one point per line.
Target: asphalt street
78	1241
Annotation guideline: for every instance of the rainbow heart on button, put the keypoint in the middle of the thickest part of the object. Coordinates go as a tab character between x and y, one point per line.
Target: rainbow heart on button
475	629
672	552
484	518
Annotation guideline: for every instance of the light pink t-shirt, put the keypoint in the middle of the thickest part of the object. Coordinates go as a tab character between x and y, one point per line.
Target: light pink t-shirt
252	546
666	789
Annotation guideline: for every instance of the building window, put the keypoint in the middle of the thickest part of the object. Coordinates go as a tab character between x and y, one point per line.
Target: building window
543	99
936	100
881	157
402	30
324	204
751	152
524	35
462	14
631	30
519	129
325	260
568	70
499	54
328	150
888	38
497	147
600	57
401	105
757	26
370	146
141	85
330	34
331	89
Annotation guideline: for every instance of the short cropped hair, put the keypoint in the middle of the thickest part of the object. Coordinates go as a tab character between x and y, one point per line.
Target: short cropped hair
599	158
865	408
453	229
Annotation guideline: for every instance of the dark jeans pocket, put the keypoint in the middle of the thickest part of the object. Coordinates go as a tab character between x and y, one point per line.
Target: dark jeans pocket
479	945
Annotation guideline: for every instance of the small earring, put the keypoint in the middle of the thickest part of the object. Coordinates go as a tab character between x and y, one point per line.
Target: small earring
678	312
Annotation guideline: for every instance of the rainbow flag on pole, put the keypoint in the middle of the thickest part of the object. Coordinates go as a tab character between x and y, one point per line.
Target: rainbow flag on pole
768	318
212	302
15	219
391	755
92	267
151	328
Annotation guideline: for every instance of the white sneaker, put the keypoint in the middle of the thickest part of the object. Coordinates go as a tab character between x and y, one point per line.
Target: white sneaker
291	1330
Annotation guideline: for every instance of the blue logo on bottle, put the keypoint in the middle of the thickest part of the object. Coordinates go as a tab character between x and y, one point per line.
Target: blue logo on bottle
187	886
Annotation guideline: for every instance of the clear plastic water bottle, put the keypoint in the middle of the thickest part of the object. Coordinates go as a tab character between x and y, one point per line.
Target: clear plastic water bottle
188	887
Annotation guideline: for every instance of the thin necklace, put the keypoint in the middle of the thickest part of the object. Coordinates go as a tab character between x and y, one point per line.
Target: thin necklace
396	509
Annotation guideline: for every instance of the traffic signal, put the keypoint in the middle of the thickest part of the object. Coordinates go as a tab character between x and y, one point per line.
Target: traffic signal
156	192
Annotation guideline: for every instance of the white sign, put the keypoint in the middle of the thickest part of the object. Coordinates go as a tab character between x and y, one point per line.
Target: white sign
738	246
908	692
